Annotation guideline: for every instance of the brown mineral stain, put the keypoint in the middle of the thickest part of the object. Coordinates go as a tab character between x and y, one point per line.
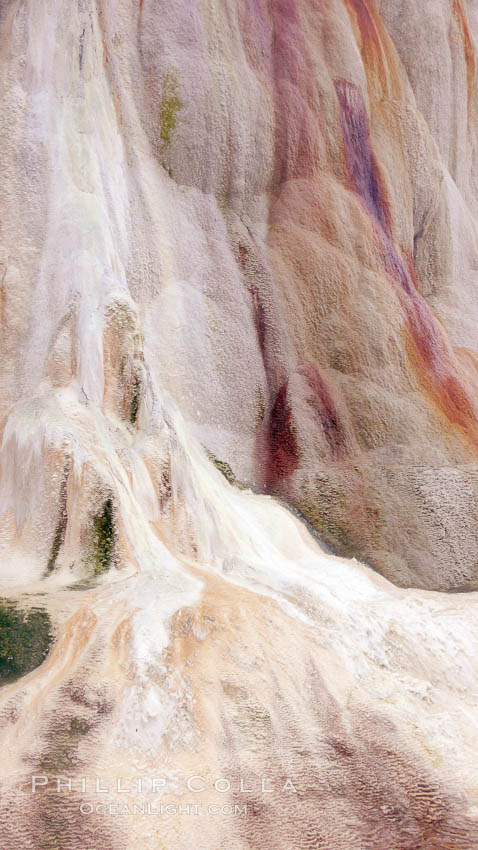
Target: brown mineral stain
243	255
259	312
121	641
322	403
260	322
461	18
107	63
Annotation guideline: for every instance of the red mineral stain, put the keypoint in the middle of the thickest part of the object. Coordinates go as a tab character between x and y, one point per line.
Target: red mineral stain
322	403
363	172
283	457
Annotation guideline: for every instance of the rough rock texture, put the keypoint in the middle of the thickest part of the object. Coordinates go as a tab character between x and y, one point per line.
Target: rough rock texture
282	196
242	234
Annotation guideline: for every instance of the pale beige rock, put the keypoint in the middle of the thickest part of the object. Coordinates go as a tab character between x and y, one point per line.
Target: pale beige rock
241	235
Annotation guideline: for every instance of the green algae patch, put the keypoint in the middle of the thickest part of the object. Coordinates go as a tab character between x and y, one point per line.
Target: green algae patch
25	640
104	539
60	530
135	401
326	527
62	755
225	470
170	106
56	546
223	467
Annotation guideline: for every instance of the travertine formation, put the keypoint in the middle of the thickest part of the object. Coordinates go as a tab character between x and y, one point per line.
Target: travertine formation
239	349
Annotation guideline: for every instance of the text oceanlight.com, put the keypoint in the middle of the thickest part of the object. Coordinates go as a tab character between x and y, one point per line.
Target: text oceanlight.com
169	810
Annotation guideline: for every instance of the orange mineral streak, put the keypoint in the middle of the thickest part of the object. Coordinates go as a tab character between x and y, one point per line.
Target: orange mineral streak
430	353
446	393
107	63
376	49
434	361
461	18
